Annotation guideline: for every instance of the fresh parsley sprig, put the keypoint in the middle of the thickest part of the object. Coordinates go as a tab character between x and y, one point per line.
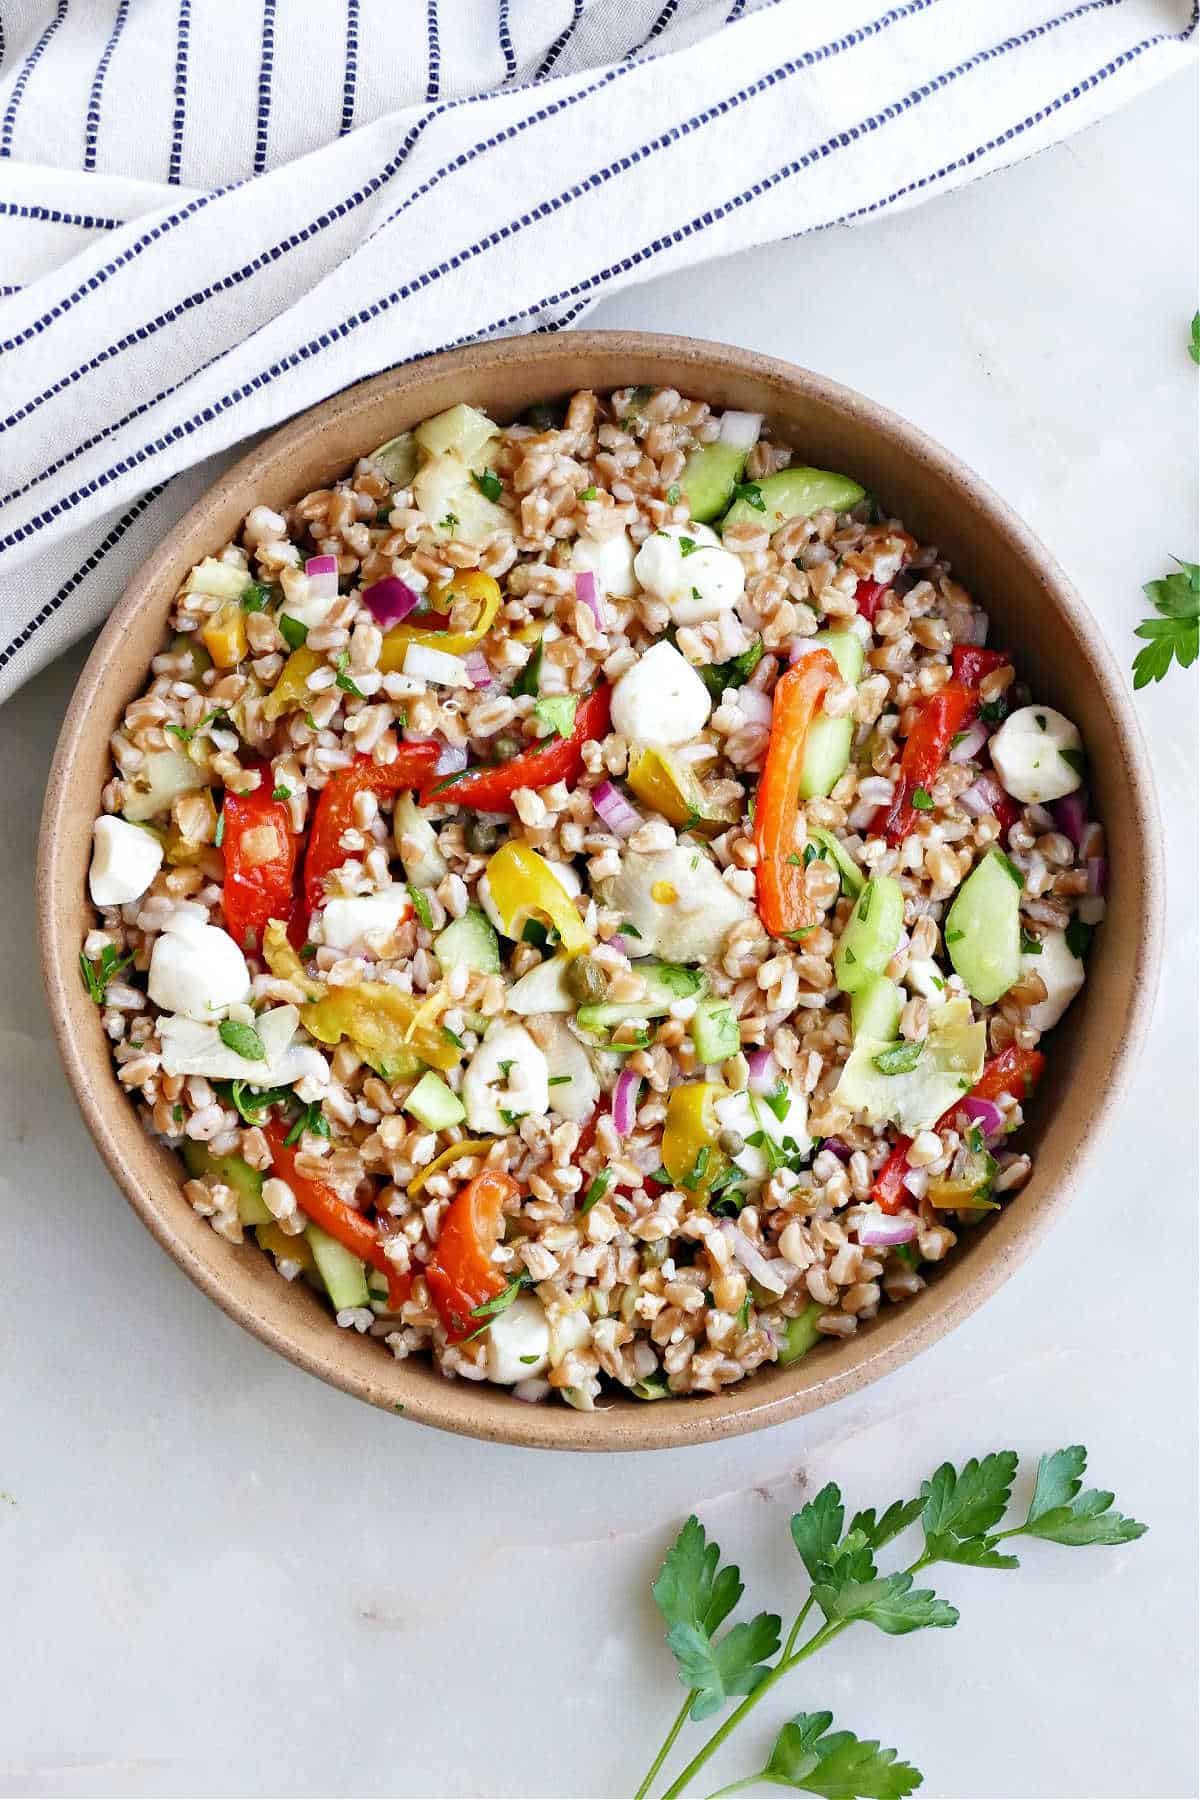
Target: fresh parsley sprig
1175	634
96	976
959	1511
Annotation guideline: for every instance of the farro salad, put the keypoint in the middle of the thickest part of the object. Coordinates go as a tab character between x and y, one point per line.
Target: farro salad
583	895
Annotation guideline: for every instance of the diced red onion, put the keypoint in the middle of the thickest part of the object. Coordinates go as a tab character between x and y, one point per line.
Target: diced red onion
881	1231
450	760
916	1181
388	601
741	429
984	1113
322	573
976	628
615	810
587	591
838	1147
756	1264
1070	815
1097	874
764	1071
983	796
801	647
755	704
624	1106
619	943
971	742
478	670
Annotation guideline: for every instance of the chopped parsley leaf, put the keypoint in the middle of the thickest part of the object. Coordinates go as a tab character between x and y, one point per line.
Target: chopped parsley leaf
292	631
488	483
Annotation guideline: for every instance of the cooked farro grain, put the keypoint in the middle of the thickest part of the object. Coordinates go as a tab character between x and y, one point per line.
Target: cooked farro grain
579	944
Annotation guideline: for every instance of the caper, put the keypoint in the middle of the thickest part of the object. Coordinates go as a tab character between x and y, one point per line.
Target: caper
731	1142
654	1254
482	835
506	747
586	980
543	415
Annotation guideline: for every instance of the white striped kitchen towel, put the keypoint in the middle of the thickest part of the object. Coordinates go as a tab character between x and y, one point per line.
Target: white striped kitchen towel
213	214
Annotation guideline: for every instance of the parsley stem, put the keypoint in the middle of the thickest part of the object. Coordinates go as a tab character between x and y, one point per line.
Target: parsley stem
666	1746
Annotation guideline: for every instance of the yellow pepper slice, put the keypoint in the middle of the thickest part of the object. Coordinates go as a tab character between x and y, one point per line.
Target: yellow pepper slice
521	883
468	1147
224	637
471	584
689	1141
295	1249
285	963
382	1021
291	690
672	789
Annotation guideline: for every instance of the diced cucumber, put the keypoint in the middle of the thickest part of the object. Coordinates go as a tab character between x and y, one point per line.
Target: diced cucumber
163	776
796	493
800	1336
470	941
872	934
715	1031
709	477
827	747
416	843
247	1183
397	458
852	876
344	1274
665	983
464	430
875	1009
186	643
983	928
432	1102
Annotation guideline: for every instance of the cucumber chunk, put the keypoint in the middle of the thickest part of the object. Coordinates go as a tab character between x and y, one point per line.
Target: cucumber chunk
715	1031
344	1274
872	934
827	749
470	941
796	493
852	876
247	1183
800	1336
665	983
709	477
432	1102
875	1009
983	928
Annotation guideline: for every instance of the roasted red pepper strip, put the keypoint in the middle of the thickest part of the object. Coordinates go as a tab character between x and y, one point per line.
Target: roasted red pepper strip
461	1273
783	903
259	881
1013	1072
925	750
556	759
412	768
318	1202
971	662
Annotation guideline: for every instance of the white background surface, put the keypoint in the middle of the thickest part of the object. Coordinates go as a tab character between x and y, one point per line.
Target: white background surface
219	1577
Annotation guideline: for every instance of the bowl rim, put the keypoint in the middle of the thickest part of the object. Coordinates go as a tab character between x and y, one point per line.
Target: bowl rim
456	1405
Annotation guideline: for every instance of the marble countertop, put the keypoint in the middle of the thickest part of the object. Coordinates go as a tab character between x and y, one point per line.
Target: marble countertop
220	1577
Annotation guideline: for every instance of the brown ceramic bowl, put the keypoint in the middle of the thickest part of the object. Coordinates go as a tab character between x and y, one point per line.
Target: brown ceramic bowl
1034	609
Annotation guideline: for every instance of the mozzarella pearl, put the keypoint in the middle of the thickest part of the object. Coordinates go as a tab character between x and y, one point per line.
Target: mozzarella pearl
518	1342
521	1087
661	700
125	860
1063	975
609	559
696	584
346	922
197	970
1027	755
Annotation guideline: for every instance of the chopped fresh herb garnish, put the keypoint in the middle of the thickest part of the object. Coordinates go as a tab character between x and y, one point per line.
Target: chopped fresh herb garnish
597	1188
589	492
557	712
922	799
254	598
292	631
252	1104
673	494
796	860
177	1114
560	1080
529	1359
628	930
779	1100
864	905
687	545
307	951
312	1120
1010	869
96	976
440	786
453	1037
184	733
696	593
952	937
743	1315
851	958
528	680
802	931
504	1067
219	834
975	1140
535	933
1039	720
311	722
993	711
1194	345
487	1310
383	513
751	493
449	523
243	1040
811	854
699	1168
898	1059
511	1118
1075	759
421	906
281	793
488	483
1030	946
1079	939
342	679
